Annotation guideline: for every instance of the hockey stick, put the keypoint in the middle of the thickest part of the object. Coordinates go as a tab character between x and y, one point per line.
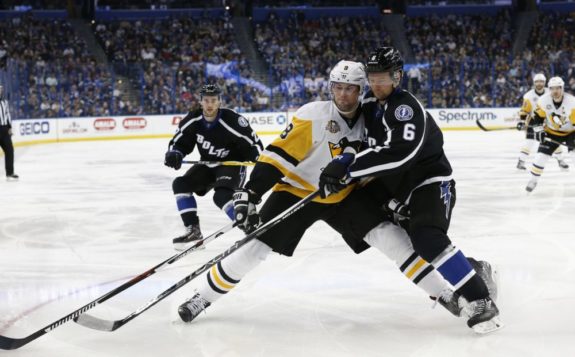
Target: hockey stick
570	147
109	325
493	129
8	343
220	163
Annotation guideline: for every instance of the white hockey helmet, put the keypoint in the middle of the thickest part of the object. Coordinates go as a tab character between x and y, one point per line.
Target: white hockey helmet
539	77
349	72
556	82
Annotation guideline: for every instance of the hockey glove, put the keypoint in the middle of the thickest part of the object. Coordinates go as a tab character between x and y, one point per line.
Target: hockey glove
396	210
334	176
174	159
539	133
245	212
521	125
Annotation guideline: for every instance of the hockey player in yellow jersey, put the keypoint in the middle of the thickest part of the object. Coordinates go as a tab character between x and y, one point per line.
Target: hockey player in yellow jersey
525	122
291	166
554	121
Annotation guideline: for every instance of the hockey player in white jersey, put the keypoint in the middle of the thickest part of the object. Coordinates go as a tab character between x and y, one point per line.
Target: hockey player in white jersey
292	165
554	121
526	114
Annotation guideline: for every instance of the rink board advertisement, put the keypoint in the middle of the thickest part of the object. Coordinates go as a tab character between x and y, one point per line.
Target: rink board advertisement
34	131
464	118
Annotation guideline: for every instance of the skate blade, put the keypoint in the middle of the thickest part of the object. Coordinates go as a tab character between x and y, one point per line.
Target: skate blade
486	327
11	179
494	293
179	247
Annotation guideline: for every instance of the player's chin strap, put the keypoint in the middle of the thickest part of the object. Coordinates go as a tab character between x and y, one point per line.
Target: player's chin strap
8	343
108	325
348	114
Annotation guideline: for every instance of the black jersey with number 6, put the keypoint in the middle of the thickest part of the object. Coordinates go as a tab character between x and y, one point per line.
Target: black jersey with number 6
228	138
404	145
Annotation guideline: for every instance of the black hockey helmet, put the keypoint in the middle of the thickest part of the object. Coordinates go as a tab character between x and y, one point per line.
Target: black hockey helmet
210	90
384	59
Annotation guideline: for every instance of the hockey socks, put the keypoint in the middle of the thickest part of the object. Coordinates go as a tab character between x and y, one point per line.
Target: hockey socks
229	209
225	275
539	164
188	208
394	242
457	270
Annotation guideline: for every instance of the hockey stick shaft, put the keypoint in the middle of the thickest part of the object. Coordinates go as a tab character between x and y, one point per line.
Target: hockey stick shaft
107	325
220	163
480	125
8	343
571	147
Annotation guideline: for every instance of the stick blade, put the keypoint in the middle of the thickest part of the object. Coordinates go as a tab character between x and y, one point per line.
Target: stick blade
7	343
95	323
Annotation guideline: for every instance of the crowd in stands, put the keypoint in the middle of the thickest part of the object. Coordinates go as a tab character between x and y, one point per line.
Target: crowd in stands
32	4
471	63
170	59
305	50
462	61
157	4
51	72
464	57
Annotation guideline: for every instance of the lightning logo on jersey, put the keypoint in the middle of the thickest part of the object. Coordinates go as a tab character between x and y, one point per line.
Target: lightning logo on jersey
446	195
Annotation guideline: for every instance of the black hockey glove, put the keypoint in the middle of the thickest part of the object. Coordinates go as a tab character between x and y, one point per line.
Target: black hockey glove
174	159
245	212
539	133
521	125
396	210
334	176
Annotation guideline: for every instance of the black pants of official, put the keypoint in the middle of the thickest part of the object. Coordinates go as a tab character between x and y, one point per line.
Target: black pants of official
8	148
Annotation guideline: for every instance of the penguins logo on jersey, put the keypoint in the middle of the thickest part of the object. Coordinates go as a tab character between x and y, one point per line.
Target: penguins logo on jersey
335	149
332	126
558	120
403	113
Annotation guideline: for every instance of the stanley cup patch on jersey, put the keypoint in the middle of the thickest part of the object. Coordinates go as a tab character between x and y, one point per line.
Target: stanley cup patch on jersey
403	112
333	127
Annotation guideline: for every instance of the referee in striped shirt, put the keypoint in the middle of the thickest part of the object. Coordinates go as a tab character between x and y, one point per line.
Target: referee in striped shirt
6	137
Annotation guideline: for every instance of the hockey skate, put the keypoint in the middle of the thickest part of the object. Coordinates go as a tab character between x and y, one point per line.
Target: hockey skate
563	165
488	274
521	165
12	177
192	235
450	300
190	309
484	316
531	185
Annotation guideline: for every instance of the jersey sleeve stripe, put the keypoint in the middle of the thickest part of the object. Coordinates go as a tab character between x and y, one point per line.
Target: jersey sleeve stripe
180	131
281	153
284	167
231	130
390	165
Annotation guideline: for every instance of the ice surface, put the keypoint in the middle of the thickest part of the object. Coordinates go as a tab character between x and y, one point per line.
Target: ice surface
87	216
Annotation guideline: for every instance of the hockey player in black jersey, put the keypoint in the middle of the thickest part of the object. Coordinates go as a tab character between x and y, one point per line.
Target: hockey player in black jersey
219	134
404	152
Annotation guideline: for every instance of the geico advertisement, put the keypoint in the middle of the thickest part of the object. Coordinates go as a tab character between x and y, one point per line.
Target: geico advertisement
462	118
34	130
